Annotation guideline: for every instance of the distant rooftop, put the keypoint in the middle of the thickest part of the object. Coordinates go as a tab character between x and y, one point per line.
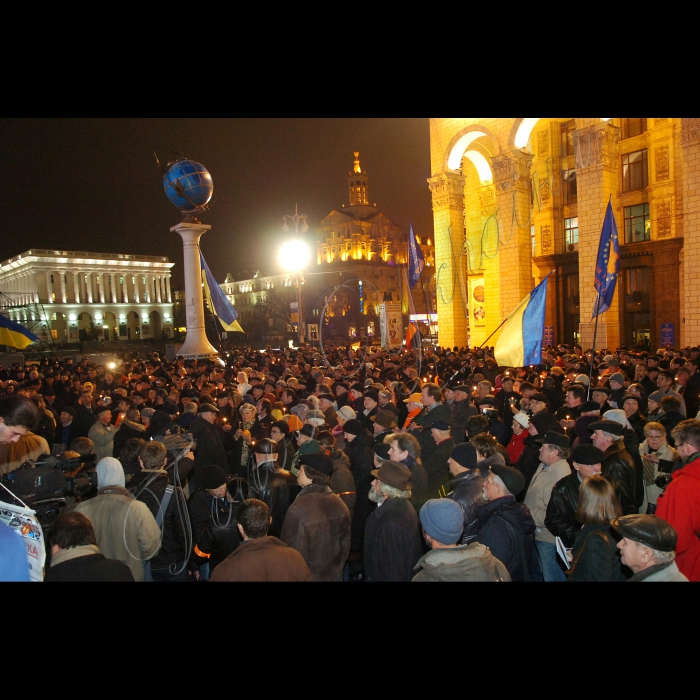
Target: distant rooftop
84	254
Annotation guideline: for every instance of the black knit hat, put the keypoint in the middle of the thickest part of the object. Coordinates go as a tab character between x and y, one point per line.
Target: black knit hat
319	461
212	476
354	427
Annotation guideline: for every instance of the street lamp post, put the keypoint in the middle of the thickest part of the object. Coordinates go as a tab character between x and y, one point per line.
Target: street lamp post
294	256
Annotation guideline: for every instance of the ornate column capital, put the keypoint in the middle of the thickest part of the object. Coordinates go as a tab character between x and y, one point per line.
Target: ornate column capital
597	145
447	190
512	170
690	131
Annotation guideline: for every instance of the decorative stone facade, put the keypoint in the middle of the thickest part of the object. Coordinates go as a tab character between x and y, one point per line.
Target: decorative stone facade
551	180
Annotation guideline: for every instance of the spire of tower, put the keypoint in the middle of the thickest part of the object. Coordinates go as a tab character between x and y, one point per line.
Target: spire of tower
357	184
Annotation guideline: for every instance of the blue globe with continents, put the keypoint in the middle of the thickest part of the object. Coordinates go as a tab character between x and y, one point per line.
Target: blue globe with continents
188	185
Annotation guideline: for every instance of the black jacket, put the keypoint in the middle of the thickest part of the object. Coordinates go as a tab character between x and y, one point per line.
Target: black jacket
508	530
392	545
618	466
91	568
596	556
462	411
361	456
561	509
276	487
528	462
419	482
467	491
210	447
149	486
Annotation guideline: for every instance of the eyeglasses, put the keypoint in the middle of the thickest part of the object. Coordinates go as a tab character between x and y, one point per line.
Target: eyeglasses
655	437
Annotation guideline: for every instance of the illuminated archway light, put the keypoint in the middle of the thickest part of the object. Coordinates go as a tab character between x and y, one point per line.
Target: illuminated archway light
524	131
454	161
481	164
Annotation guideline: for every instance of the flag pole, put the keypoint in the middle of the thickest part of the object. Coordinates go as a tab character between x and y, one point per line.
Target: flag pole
595	335
478	347
595	332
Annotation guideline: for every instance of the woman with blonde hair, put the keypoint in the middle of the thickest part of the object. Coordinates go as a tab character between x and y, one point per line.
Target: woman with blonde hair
595	556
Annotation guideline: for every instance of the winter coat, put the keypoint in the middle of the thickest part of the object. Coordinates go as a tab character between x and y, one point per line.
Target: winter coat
342	480
220	536
462	411
507	528
618	466
361	456
148	486
210	447
276	487
660	572
596	556
528	462
539	493
393	542
560	519
125	528
263	559
679	506
516	446
102	437
86	564
419	482
317	525
127	429
467	490
427	416
438	471
466	562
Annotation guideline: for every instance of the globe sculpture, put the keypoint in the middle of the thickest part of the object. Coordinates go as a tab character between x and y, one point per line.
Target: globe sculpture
188	185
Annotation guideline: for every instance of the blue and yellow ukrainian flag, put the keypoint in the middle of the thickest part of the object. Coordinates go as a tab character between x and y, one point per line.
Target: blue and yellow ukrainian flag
218	302
14	335
520	342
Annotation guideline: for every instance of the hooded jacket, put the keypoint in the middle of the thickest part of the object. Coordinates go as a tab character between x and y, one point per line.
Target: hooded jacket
507	528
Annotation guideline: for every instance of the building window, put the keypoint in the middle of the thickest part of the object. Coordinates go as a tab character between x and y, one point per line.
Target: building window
54	334
570	186
571	230
637	280
635	174
637	223
532	239
632	127
566	130
349	244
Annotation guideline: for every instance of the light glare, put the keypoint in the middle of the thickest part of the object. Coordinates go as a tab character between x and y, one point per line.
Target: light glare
294	255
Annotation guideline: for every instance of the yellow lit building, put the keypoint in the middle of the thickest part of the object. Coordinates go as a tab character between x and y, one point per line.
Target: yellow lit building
515	199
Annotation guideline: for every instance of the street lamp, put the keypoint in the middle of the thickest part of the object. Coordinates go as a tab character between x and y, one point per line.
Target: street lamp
294	256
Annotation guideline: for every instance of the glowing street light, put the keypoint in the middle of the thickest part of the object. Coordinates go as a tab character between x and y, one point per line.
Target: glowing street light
294	256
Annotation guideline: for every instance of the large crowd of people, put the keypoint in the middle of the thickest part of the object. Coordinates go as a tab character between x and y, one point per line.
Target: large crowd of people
357	465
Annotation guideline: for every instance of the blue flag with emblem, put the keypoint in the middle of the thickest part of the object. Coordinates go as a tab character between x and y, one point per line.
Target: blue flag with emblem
416	262
607	264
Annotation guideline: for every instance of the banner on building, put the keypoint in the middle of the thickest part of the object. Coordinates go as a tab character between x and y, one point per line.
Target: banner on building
477	311
391	324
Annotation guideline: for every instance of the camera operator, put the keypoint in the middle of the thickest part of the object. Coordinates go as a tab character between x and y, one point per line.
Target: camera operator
659	460
500	430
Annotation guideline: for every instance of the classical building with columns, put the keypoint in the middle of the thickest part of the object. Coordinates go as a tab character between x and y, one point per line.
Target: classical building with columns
59	293
515	199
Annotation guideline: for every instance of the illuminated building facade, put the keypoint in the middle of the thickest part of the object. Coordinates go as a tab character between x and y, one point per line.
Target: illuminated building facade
67	296
357	245
517	199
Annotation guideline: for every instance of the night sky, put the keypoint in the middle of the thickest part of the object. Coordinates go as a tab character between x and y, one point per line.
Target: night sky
94	184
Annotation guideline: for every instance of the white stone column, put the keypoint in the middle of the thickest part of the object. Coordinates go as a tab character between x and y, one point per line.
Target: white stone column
196	344
49	288
101	283
63	285
159	288
76	287
137	292
148	287
167	285
113	277
88	287
125	289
